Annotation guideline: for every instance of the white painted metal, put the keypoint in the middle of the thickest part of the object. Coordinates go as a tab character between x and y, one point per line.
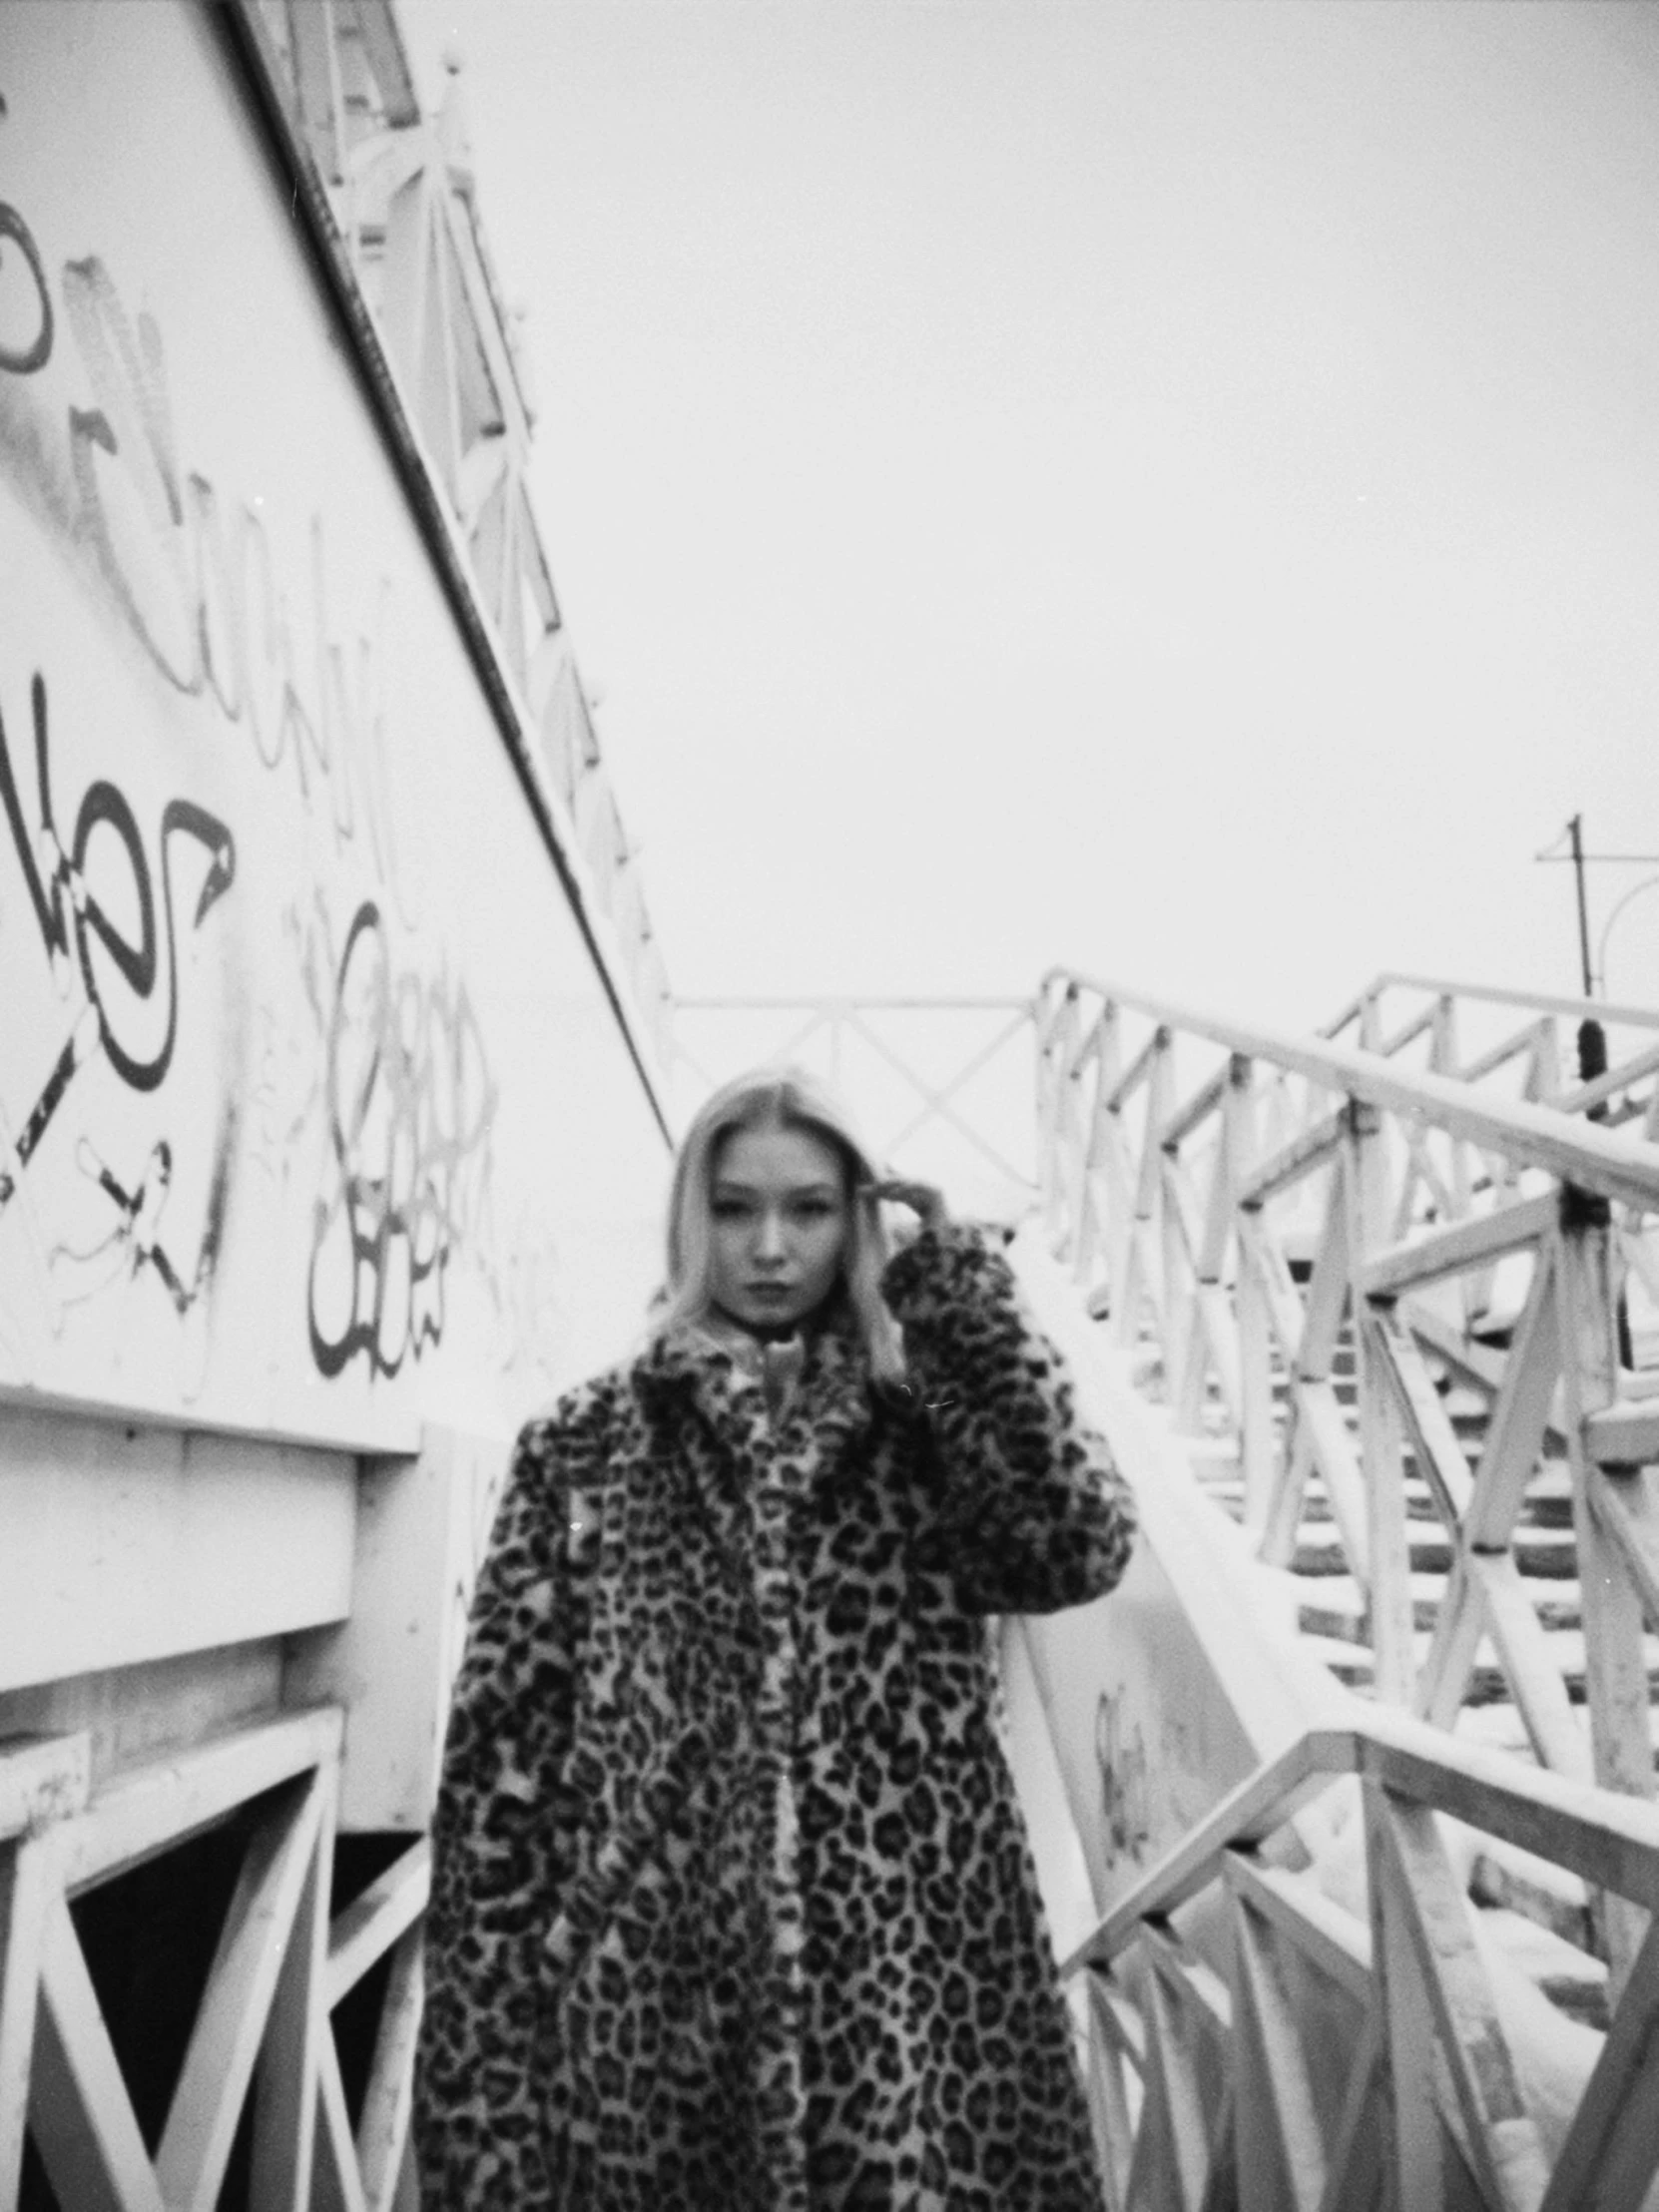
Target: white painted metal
423	1524
263	2022
1385	1245
328	1058
942	1086
122	1546
1413	2011
306	1063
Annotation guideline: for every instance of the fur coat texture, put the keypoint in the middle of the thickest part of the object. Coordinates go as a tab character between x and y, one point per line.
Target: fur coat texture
733	1906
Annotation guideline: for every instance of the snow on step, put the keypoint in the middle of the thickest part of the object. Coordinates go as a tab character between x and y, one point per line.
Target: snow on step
1570	1977
1334	1604
1549	1554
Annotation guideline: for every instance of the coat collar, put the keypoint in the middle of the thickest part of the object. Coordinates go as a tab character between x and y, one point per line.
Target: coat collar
717	1369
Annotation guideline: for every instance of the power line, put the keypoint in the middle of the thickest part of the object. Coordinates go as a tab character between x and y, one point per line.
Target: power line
1580	860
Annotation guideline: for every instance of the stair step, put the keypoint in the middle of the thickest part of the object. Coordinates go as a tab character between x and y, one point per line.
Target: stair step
1334	1605
1548	1555
1319	1550
1549	1496
1574	1981
1548	1503
1228	1490
1345	1386
1469	1420
1468	1411
1350	1663
1505	1875
1499	1727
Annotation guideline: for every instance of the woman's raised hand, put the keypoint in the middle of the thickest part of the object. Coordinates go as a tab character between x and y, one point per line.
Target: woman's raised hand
926	1203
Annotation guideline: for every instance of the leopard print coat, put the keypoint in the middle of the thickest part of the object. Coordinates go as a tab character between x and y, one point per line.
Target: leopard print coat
732	1910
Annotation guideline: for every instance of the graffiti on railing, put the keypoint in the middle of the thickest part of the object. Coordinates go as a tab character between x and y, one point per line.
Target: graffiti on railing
1124	1794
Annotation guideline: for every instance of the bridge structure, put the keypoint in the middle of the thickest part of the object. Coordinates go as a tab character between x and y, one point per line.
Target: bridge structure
337	1074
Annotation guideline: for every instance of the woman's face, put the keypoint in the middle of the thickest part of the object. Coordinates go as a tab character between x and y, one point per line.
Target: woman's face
781	1213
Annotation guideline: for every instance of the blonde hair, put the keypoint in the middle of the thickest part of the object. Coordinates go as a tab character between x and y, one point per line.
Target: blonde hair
778	1098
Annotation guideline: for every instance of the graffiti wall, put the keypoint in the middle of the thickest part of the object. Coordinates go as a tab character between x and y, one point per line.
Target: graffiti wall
313	1118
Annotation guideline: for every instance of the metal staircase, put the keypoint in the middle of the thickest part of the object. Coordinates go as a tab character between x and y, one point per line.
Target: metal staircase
1542	1919
1334	1617
1392	1317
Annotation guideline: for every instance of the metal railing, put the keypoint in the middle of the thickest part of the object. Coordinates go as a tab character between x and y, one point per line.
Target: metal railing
941	1085
1351	2058
1441	1017
396	206
1246	1200
261	2028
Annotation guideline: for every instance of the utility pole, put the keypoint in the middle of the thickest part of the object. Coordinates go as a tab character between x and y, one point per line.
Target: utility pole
1576	829
1580	861
1592	1036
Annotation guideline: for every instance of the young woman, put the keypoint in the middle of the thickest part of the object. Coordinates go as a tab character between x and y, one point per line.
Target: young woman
732	1910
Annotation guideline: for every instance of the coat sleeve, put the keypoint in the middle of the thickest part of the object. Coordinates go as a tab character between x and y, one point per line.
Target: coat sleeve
1031	1514
502	1832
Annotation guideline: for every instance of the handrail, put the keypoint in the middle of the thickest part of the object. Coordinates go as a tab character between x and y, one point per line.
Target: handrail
832	1028
1466	1244
1606	1077
1424	2052
261	2009
1609	1841
1543	1002
1587	1155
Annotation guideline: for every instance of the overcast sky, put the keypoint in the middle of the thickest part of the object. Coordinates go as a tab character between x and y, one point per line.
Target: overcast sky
1171	489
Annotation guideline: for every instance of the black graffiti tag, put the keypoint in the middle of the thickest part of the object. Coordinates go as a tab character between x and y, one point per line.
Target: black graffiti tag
410	1105
22	359
192	573
195	583
66	906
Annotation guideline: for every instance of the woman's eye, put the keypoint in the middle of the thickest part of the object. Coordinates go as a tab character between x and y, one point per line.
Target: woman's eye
730	1209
